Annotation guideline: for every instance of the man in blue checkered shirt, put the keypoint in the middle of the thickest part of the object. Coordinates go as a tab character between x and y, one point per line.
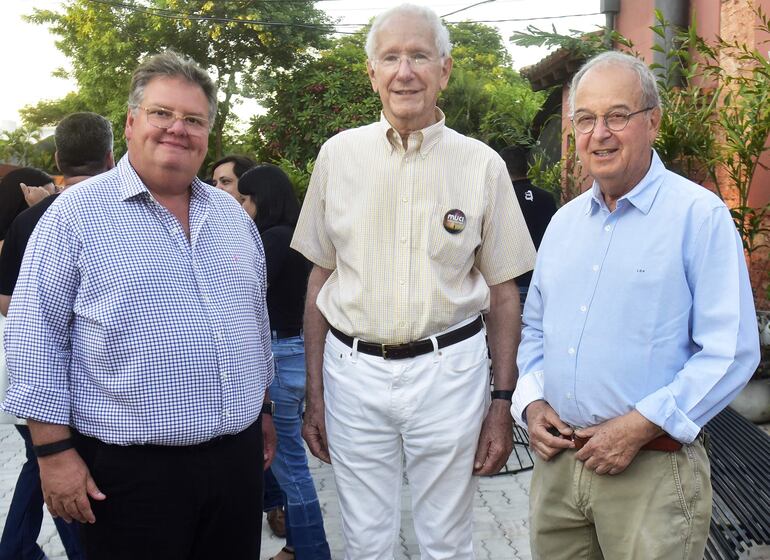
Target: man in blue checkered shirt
138	342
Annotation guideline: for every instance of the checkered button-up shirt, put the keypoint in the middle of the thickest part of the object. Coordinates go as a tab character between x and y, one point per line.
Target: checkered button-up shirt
130	332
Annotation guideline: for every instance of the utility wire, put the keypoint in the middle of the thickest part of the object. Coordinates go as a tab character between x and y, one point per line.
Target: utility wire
169	14
467	8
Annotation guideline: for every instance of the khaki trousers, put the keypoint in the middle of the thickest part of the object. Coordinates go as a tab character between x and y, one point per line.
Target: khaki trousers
659	508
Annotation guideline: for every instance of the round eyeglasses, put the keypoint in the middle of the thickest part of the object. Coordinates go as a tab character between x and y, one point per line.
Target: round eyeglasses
615	121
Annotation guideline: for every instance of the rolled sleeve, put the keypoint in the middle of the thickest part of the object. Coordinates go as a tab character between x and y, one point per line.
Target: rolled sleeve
723	328
37	334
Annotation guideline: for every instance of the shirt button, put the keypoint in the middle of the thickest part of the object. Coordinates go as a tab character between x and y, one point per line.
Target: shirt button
402	282
571	351
403	240
401	324
595	267
607	228
569	395
583	308
404	199
225	413
224	377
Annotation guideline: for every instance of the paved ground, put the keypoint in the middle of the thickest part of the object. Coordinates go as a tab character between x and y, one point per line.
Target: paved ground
500	532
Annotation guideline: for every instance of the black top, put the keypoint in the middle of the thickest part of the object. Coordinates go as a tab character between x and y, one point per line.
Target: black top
16	242
287	272
538	207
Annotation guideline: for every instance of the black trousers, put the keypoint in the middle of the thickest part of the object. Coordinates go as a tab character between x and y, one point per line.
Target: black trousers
200	502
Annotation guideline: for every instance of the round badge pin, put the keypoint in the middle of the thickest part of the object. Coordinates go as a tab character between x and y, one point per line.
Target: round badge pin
454	221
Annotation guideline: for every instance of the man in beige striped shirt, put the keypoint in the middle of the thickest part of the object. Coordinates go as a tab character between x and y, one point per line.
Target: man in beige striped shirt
415	232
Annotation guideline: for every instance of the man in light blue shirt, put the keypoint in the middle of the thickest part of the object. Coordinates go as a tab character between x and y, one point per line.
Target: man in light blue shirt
639	328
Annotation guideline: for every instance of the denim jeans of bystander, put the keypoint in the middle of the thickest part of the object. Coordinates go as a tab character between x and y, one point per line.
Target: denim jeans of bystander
304	522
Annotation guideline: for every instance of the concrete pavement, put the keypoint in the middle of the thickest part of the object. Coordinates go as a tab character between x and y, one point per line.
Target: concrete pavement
500	508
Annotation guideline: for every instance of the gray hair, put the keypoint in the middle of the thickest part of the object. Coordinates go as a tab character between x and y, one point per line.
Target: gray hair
647	82
440	32
83	142
171	64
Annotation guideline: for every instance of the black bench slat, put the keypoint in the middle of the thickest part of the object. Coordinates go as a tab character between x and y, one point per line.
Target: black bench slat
740	457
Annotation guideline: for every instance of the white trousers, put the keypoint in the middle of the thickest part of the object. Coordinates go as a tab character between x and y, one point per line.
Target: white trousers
428	409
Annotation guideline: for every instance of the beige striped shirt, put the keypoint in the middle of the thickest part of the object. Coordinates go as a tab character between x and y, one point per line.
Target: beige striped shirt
375	213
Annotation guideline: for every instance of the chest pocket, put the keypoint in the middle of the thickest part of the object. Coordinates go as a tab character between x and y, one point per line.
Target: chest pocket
453	234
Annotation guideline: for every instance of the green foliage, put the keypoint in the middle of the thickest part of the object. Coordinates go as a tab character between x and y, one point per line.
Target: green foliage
546	176
24	147
330	93
104	43
311	103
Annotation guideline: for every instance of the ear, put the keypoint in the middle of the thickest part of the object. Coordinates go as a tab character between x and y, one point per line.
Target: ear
370	71
655	118
109	161
129	124
446	71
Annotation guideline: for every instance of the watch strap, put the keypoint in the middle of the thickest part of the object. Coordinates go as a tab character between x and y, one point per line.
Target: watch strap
54	447
503	395
268	407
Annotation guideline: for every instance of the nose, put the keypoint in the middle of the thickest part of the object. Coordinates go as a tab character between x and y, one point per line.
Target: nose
404	68
600	129
177	127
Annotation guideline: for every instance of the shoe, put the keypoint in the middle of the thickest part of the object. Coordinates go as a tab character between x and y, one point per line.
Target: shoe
276	519
283	552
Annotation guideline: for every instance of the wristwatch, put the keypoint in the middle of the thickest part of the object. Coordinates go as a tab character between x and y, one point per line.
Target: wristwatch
52	448
503	395
268	407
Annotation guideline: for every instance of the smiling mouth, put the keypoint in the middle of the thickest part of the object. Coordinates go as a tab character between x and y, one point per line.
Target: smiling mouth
406	92
605	153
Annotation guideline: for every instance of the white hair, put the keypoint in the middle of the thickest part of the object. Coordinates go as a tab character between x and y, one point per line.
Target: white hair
440	32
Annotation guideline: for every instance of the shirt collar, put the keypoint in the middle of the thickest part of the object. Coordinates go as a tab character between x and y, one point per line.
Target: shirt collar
641	196
131	185
425	138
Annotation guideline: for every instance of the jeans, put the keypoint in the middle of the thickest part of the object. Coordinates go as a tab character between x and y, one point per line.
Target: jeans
272	495
304	523
22	526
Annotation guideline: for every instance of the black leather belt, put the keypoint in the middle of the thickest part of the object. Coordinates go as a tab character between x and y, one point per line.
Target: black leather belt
285	333
411	349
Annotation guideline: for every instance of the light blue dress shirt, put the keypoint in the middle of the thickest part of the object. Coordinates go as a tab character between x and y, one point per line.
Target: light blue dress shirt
648	307
123	328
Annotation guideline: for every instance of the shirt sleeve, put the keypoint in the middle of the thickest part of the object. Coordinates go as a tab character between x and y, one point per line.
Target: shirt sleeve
265	336
724	334
310	236
37	336
530	356
506	249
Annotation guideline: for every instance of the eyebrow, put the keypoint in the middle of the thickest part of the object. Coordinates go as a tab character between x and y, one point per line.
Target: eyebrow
612	108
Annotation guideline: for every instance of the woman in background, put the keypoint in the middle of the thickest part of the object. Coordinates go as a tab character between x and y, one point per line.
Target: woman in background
272	204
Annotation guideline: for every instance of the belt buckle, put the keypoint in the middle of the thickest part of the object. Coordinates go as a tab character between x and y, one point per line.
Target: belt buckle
384	348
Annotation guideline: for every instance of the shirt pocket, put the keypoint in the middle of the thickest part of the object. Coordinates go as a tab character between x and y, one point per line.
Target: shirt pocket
452	240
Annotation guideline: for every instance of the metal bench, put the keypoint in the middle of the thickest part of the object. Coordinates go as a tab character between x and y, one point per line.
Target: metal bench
740	476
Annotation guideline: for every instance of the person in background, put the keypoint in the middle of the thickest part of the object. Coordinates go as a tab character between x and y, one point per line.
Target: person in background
537	205
20	189
225	173
639	327
270	200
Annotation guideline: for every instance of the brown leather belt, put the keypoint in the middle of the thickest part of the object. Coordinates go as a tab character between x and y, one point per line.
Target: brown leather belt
411	349
661	443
